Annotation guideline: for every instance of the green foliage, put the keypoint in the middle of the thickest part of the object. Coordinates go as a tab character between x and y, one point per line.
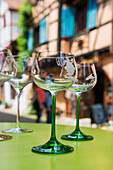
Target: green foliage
25	23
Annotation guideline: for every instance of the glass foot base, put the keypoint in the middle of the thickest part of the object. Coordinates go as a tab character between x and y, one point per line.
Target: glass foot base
77	136
5	137
17	130
52	147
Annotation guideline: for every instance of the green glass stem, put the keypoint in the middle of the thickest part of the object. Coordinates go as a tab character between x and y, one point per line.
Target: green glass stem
53	135
77	114
18	109
18	128
77	135
53	146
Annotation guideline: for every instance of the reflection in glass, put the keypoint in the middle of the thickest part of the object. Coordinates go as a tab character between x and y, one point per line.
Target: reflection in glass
85	81
53	71
7	71
22	78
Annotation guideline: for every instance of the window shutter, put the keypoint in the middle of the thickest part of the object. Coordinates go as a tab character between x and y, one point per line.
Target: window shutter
67	21
42	31
91	13
30	40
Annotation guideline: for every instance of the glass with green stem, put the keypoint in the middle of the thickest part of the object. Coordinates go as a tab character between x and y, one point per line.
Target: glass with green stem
22	78
85	81
53	71
7	71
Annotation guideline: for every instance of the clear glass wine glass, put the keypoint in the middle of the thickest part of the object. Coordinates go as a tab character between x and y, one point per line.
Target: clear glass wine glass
53	71
85	81
7	71
22	78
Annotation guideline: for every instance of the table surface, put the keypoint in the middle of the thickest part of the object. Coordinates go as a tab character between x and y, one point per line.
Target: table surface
15	154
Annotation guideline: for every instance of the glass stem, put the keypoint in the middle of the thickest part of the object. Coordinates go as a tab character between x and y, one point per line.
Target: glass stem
18	109
77	114
53	135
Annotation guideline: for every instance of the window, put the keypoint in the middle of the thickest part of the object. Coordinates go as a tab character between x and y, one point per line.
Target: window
91	13
42	31
36	35
30	40
67	22
4	18
80	19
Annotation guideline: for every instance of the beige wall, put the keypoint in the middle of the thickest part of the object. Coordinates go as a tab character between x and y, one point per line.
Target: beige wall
101	37
104	13
48	9
65	46
98	38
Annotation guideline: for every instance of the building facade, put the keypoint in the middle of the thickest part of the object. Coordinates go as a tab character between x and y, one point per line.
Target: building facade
9	32
83	27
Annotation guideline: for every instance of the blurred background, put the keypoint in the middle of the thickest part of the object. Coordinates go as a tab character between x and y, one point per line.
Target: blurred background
83	27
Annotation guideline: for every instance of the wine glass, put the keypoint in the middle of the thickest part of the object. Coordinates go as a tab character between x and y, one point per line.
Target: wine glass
85	81
22	78
53	71
7	71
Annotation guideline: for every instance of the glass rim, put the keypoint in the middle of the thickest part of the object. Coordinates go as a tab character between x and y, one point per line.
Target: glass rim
54	54
5	50
85	63
23	56
2	48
